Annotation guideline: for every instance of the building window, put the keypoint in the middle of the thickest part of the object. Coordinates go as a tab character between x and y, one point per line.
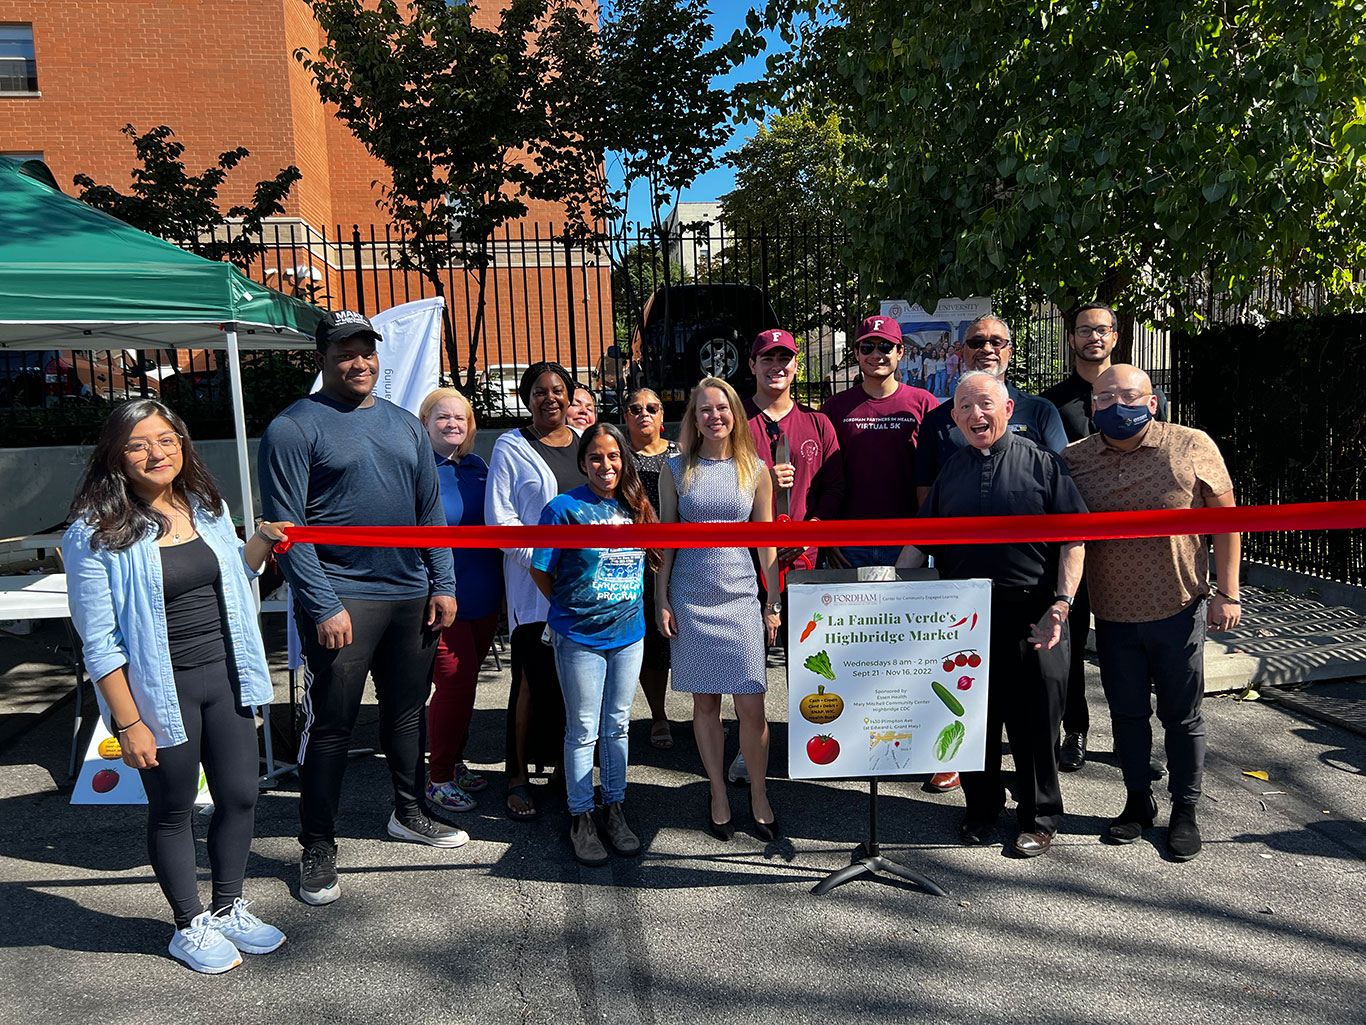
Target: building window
18	60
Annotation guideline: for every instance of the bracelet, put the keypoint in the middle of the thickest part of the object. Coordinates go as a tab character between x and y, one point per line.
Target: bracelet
1227	597
125	729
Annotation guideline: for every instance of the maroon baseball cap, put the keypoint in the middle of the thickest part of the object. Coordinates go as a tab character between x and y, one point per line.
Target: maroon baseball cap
767	341
878	326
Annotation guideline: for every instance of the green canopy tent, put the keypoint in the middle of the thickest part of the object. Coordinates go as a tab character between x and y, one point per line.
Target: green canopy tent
72	277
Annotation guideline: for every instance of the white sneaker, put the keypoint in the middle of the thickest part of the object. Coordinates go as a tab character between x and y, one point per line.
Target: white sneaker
246	932
739	772
201	946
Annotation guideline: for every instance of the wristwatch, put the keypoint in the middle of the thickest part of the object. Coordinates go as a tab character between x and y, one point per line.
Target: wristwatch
1063	597
774	606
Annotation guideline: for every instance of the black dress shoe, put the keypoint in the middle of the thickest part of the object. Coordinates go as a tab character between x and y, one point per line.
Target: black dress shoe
974	832
1183	834
1072	753
1137	816
1031	845
765	831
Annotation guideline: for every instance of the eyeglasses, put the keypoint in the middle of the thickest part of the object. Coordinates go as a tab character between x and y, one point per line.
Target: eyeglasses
1086	331
636	408
167	443
981	341
1131	397
866	348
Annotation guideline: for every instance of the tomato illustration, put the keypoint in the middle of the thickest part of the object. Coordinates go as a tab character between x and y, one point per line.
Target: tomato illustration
964	682
822	749
948	665
104	781
960	659
974	660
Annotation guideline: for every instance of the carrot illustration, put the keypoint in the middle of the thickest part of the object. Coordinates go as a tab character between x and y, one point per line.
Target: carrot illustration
810	626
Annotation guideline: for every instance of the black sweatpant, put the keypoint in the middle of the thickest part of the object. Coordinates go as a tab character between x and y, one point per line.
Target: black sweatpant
222	735
544	742
1026	696
391	641
1076	717
1166	656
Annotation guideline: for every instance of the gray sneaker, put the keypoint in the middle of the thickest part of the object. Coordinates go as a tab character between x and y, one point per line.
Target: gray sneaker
583	837
619	835
739	771
418	828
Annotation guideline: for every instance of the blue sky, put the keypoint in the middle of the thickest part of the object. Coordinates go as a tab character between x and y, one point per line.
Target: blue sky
727	16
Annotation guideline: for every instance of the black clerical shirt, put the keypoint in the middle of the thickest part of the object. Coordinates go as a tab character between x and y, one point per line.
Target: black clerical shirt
1013	477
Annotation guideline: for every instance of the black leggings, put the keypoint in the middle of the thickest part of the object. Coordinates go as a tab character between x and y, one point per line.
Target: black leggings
221	735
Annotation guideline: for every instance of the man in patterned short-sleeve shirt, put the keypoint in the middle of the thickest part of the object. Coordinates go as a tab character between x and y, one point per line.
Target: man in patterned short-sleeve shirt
1149	595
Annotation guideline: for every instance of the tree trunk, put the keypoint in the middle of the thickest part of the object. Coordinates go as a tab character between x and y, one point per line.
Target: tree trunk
476	331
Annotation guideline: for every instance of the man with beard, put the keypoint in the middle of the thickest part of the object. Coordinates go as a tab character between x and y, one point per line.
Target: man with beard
1092	338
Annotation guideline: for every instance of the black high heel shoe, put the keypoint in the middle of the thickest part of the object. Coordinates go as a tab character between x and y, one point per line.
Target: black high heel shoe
720	830
765	831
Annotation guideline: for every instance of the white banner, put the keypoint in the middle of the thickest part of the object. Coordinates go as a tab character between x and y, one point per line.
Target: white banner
887	677
409	352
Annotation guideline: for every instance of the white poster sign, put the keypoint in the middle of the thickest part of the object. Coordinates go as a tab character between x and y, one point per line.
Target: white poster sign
931	359
409	352
104	779
887	677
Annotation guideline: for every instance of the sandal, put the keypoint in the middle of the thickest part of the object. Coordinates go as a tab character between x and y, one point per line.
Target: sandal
660	735
528	810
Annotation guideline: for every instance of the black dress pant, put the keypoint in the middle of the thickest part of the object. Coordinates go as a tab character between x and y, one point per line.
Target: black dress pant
1167	657
391	641
1076	717
1026	697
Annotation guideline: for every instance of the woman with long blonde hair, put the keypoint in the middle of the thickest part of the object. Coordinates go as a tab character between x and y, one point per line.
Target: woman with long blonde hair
706	600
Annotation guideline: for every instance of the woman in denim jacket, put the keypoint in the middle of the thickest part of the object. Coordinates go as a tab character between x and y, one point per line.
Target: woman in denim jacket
159	590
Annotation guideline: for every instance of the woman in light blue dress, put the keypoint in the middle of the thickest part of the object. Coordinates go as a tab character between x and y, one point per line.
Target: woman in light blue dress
707	601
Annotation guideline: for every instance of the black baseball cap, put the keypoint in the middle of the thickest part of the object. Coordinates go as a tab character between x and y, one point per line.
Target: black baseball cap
341	324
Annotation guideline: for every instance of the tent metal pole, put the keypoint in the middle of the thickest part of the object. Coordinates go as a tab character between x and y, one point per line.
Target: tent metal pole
239	423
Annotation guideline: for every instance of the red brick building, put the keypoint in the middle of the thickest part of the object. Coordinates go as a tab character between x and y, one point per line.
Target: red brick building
221	75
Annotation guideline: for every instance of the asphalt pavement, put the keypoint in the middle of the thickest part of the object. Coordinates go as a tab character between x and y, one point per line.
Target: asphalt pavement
1267	925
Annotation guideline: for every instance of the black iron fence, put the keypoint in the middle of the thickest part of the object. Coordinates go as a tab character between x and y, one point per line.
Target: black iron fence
597	306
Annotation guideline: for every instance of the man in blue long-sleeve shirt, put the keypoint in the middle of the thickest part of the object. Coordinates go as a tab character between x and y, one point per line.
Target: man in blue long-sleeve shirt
343	457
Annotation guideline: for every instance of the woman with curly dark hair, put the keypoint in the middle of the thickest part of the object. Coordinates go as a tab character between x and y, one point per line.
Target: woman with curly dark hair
159	589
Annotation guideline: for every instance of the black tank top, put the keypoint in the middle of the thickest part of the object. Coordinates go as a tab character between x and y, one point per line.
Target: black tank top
194	608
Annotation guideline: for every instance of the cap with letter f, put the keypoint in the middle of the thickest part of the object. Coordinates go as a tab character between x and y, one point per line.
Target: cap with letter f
878	326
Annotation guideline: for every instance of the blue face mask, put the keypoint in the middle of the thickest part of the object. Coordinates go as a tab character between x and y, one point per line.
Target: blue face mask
1121	422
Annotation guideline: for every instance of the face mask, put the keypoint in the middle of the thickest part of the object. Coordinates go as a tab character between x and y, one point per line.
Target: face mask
1121	422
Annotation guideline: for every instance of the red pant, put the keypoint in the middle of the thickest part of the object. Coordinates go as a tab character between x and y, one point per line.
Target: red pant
459	654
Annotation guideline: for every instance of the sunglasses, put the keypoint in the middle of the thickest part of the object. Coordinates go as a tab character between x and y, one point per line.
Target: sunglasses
867	348
980	342
635	408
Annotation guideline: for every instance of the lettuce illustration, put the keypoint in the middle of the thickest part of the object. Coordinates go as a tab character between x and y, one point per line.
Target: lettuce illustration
950	739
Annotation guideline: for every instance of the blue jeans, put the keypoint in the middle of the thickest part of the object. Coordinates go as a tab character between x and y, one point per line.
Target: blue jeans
599	685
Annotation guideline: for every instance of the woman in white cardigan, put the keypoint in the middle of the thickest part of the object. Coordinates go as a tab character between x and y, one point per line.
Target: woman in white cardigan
529	467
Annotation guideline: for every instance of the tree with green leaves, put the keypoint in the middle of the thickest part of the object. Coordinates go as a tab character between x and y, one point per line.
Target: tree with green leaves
1167	156
663	115
470	121
785	213
640	272
167	201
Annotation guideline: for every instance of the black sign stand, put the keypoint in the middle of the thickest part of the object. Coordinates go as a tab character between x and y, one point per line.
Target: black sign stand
868	859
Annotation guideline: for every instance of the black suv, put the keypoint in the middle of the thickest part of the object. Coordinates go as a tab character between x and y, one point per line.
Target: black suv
689	332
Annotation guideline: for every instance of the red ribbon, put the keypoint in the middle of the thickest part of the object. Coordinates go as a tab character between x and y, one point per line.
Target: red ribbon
826	533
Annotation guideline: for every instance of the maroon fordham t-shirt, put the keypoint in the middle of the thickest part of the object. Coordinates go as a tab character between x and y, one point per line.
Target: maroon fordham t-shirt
818	486
877	440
